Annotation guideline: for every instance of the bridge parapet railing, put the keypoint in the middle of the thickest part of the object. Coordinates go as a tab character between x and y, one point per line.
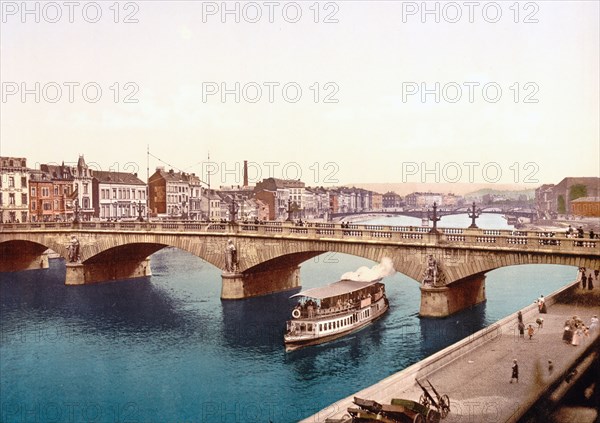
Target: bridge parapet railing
375	227
453	231
381	234
520	241
456	238
325	225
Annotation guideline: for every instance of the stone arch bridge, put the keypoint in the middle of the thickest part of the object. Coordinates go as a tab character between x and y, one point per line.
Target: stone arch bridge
450	264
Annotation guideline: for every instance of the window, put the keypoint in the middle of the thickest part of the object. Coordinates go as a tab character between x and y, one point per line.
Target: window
114	193
85	188
11	199
47	205
33	205
24	199
11	182
45	192
56	190
23	181
33	194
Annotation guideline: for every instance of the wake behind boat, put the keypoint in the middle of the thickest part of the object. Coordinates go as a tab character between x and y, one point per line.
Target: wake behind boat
330	312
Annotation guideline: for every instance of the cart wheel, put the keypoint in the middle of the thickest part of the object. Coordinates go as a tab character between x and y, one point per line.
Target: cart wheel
418	419
424	401
444	406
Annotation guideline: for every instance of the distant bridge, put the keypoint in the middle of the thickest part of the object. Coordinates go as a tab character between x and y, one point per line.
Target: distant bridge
420	213
269	256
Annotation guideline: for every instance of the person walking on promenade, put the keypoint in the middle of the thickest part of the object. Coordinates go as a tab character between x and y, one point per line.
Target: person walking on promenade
515	371
590	282
540	322
530	331
521	330
594	324
520	316
583	281
567	332
541	304
550	367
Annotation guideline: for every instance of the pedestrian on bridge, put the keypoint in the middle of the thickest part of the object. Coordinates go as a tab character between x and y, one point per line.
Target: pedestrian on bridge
515	371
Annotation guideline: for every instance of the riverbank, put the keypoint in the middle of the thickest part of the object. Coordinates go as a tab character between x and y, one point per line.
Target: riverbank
561	225
475	371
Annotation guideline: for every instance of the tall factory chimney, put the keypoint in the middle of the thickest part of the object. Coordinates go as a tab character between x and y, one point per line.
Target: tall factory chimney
245	173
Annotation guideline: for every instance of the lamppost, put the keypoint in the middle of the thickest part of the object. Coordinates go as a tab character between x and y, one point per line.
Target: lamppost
289	210
434	218
474	214
233	209
140	209
76	211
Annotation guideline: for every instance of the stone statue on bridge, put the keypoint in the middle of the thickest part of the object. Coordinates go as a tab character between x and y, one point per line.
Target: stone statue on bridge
231	259
73	249
432	276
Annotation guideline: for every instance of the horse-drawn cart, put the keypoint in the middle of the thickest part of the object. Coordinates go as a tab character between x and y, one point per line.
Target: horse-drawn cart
427	410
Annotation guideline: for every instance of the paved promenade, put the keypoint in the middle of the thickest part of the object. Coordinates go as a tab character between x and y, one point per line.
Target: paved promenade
475	372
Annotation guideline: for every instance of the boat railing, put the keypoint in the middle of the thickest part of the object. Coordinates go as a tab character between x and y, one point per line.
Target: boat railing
327	312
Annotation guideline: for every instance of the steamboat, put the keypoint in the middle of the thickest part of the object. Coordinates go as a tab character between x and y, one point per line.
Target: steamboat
332	311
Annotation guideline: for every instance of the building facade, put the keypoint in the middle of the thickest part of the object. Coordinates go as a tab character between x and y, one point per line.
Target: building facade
391	201
586	207
118	195
64	191
174	195
14	189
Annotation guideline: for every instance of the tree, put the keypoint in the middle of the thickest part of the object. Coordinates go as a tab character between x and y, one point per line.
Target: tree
577	191
561	205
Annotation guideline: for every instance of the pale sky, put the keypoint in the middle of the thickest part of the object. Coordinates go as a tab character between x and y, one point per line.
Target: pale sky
371	58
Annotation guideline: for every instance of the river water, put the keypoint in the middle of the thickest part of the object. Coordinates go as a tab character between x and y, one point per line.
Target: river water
167	349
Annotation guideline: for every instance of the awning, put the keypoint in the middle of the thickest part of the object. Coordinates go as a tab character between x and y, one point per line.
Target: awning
335	289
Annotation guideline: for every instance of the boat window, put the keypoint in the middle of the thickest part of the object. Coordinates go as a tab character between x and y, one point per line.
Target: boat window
302	327
329	325
320	327
309	327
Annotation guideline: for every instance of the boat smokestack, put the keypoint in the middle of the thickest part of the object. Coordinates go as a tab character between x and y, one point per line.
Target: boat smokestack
245	173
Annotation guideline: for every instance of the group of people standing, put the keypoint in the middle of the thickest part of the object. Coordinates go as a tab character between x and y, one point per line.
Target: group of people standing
588	277
576	332
530	329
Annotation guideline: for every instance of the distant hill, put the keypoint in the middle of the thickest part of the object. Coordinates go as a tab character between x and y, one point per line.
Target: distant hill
458	188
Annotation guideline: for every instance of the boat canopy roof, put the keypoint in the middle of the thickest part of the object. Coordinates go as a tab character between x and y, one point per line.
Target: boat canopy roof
335	289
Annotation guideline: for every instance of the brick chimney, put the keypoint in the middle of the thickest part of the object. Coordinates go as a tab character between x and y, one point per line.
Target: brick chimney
245	173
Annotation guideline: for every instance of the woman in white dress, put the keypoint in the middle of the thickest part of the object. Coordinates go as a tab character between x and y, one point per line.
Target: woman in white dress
594	325
577	334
